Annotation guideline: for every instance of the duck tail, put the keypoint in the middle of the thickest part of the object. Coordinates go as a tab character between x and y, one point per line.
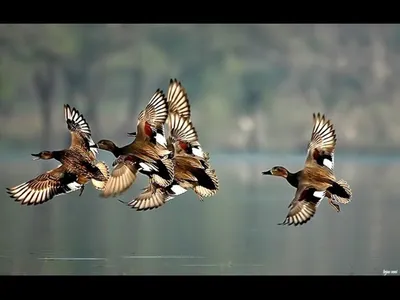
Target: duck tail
100	185
166	175
208	184
341	191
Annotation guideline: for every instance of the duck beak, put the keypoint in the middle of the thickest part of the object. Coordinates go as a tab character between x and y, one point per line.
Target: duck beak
36	156
267	172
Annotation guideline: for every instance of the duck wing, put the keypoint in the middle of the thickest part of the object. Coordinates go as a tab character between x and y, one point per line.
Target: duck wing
304	205
150	124
45	187
323	142
81	135
122	176
152	197
182	129
177	99
185	135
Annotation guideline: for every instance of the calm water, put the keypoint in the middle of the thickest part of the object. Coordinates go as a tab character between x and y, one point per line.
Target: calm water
235	232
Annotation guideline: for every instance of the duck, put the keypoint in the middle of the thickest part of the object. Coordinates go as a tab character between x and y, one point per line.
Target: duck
190	172
192	168
147	153
78	166
178	102
293	179
317	179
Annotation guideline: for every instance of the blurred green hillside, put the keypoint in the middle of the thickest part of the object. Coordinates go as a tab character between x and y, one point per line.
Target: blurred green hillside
251	87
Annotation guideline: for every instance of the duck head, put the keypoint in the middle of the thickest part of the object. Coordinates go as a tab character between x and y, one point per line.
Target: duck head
277	171
43	155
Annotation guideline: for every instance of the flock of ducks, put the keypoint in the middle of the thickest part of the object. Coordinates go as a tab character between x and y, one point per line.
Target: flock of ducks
174	162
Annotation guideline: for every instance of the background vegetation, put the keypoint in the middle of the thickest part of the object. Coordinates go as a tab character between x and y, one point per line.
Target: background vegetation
252	87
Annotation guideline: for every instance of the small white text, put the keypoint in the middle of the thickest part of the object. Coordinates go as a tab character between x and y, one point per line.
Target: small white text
390	272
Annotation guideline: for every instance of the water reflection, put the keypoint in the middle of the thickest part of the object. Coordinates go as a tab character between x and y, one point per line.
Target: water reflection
235	232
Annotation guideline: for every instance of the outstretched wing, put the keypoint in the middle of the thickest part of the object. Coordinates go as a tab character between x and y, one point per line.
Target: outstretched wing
150	124
177	98
182	129
152	197
45	187
304	205
185	135
122	177
323	141
81	135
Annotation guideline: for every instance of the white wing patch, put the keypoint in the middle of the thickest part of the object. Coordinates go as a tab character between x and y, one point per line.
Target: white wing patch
178	190
160	139
319	194
327	163
198	151
147	167
73	186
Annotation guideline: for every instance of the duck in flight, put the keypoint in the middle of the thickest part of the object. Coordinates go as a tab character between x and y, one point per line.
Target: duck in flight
78	166
192	169
147	153
316	180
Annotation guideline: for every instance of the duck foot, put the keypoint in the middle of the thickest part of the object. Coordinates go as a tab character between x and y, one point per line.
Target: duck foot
82	188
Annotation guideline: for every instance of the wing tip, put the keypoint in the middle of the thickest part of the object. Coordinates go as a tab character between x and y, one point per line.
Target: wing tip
158	104
70	111
320	118
295	220
147	203
318	115
159	93
174	81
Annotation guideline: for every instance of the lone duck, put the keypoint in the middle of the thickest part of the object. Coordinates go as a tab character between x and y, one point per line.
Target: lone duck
78	166
191	171
316	180
147	154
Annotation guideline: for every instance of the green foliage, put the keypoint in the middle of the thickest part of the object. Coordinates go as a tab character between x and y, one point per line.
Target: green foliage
13	76
228	70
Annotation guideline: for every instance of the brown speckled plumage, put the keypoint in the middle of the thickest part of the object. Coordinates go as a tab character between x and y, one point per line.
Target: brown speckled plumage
316	180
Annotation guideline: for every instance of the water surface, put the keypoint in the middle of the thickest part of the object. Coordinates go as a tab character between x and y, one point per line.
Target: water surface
234	232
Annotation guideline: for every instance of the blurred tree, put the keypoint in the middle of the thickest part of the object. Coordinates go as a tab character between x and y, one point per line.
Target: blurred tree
231	73
44	83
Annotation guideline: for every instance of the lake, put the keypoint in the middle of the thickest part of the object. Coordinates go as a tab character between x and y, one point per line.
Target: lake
234	232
